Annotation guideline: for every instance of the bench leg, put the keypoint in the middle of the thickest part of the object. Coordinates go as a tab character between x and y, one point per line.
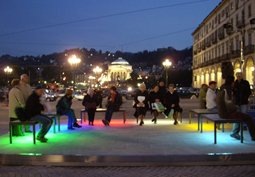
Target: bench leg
34	134
125	114
215	132
201	122
10	127
189	117
241	125
198	122
81	117
180	115
84	114
58	122
54	124
222	127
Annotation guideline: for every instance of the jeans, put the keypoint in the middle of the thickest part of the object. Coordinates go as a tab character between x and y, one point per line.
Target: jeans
236	127
108	113
71	118
46	124
247	119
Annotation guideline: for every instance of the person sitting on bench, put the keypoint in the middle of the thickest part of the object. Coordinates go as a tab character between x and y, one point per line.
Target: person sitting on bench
64	108
114	102
16	100
33	111
228	110
211	97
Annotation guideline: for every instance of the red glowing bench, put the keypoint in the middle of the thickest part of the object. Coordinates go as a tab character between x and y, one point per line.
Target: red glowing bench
103	110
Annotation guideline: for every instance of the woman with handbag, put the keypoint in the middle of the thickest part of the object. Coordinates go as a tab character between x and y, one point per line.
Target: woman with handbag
114	102
141	101
155	97
172	103
16	100
90	102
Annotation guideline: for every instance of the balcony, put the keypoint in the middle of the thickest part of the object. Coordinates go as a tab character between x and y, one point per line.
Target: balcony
203	46
225	57
229	31
208	44
199	50
240	24
214	40
195	52
221	36
248	49
235	54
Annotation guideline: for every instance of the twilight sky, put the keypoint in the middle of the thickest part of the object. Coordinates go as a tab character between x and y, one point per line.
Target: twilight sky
43	27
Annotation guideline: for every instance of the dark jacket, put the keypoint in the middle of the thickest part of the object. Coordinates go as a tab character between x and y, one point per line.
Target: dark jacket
90	102
225	108
33	106
64	105
153	96
242	92
145	94
115	106
172	99
162	92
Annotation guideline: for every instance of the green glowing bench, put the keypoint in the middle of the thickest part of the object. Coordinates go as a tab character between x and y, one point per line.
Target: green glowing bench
17	122
217	120
103	110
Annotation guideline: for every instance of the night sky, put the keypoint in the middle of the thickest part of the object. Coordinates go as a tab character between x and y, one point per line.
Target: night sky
33	27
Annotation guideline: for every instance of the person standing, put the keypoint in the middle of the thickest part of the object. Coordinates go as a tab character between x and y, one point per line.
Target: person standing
15	100
99	95
155	97
211	104
172	102
114	102
228	110
64	108
202	96
26	90
90	102
33	110
141	101
242	92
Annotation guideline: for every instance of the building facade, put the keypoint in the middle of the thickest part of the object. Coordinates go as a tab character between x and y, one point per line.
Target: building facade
223	36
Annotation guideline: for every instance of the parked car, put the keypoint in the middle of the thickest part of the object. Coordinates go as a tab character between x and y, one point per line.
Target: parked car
49	95
79	96
185	93
60	93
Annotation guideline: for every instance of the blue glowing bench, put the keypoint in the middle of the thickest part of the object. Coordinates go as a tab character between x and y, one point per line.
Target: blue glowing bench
217	120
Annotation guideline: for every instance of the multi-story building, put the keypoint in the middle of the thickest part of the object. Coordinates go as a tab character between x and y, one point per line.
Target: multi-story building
225	34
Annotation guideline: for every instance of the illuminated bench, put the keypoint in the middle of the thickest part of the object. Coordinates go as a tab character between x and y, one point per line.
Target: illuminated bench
199	112
217	120
102	110
17	122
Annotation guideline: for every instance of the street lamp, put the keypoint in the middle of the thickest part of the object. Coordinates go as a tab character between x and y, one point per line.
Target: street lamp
74	61
7	71
97	70
167	64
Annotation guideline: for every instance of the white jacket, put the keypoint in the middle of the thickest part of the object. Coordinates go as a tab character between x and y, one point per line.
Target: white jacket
210	99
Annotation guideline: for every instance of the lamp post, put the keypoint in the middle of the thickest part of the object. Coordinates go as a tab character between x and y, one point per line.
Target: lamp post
74	61
97	70
167	64
7	71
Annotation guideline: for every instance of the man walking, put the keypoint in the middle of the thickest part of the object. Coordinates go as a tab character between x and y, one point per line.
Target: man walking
26	90
242	92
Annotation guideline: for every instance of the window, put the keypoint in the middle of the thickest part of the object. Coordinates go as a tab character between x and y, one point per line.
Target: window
236	19
222	13
223	49
237	2
237	43
227	47
219	50
218	18
231	5
249	10
249	39
215	52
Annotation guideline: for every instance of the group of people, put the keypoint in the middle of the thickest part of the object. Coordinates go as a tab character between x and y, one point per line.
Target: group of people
144	101
230	101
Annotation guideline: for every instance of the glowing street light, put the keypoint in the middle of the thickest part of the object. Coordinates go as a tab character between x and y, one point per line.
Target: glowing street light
97	71
74	61
167	64
7	71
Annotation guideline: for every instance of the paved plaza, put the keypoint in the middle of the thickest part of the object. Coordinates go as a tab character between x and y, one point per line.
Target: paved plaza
121	141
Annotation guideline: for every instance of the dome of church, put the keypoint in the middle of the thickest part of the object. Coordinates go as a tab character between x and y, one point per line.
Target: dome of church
120	61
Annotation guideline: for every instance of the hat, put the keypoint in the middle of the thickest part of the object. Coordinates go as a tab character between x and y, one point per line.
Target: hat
38	87
212	82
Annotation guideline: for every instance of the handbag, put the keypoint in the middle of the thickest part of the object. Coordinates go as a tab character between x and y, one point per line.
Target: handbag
159	106
21	114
